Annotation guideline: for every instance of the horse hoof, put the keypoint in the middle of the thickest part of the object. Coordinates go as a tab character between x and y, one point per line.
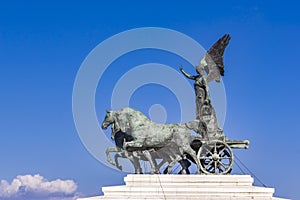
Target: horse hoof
113	163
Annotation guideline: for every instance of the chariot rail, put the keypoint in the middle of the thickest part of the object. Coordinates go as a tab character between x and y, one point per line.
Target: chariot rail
238	144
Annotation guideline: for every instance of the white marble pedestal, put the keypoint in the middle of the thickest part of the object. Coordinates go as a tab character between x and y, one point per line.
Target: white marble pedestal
206	187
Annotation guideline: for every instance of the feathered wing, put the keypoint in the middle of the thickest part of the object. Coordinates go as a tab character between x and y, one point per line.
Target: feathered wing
214	59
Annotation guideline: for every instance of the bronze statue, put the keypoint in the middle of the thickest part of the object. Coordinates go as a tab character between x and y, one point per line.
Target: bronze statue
212	64
138	138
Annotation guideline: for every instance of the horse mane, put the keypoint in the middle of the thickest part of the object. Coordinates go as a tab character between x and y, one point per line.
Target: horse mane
135	118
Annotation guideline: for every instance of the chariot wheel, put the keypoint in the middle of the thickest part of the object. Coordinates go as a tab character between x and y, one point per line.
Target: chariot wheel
216	157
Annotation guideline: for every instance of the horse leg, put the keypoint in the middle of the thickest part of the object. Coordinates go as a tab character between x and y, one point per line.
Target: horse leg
162	163
165	160
133	157
135	144
173	162
152	163
185	164
118	155
187	149
171	155
137	165
110	150
167	157
122	154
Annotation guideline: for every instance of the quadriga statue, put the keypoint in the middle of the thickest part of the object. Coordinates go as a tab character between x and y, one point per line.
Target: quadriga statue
138	138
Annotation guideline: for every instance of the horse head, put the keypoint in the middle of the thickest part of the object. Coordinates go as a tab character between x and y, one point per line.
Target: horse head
109	119
118	122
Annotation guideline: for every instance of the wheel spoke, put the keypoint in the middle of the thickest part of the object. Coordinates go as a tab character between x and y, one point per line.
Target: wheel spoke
227	154
210	162
226	158
223	165
222	150
207	151
205	157
215	148
220	169
215	165
210	168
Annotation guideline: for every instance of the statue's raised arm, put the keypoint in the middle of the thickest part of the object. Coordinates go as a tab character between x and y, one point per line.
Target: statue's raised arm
187	75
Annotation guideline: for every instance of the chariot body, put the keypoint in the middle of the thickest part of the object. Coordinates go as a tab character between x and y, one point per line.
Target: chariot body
215	153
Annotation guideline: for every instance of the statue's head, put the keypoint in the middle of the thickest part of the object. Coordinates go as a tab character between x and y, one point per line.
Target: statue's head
201	67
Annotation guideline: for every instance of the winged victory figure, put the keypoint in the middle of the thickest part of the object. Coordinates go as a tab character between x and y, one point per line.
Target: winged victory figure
211	63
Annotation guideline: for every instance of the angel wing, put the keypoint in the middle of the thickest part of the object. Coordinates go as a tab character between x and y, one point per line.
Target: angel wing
212	62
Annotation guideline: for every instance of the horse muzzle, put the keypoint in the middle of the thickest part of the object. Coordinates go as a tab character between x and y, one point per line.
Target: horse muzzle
104	126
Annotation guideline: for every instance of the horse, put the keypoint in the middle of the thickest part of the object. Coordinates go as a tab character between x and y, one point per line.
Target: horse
120	137
149	135
135	156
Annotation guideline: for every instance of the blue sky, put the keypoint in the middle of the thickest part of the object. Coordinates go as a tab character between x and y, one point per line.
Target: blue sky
42	46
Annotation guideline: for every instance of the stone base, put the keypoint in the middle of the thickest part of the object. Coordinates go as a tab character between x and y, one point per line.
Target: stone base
206	187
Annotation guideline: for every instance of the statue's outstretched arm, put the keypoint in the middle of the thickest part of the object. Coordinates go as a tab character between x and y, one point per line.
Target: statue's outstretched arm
187	75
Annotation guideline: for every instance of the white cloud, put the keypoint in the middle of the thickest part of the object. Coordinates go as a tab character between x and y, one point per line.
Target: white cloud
37	186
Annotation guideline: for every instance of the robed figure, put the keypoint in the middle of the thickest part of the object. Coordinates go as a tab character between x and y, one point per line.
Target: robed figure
211	63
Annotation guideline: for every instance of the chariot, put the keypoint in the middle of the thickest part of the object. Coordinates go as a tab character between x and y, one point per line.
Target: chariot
216	155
